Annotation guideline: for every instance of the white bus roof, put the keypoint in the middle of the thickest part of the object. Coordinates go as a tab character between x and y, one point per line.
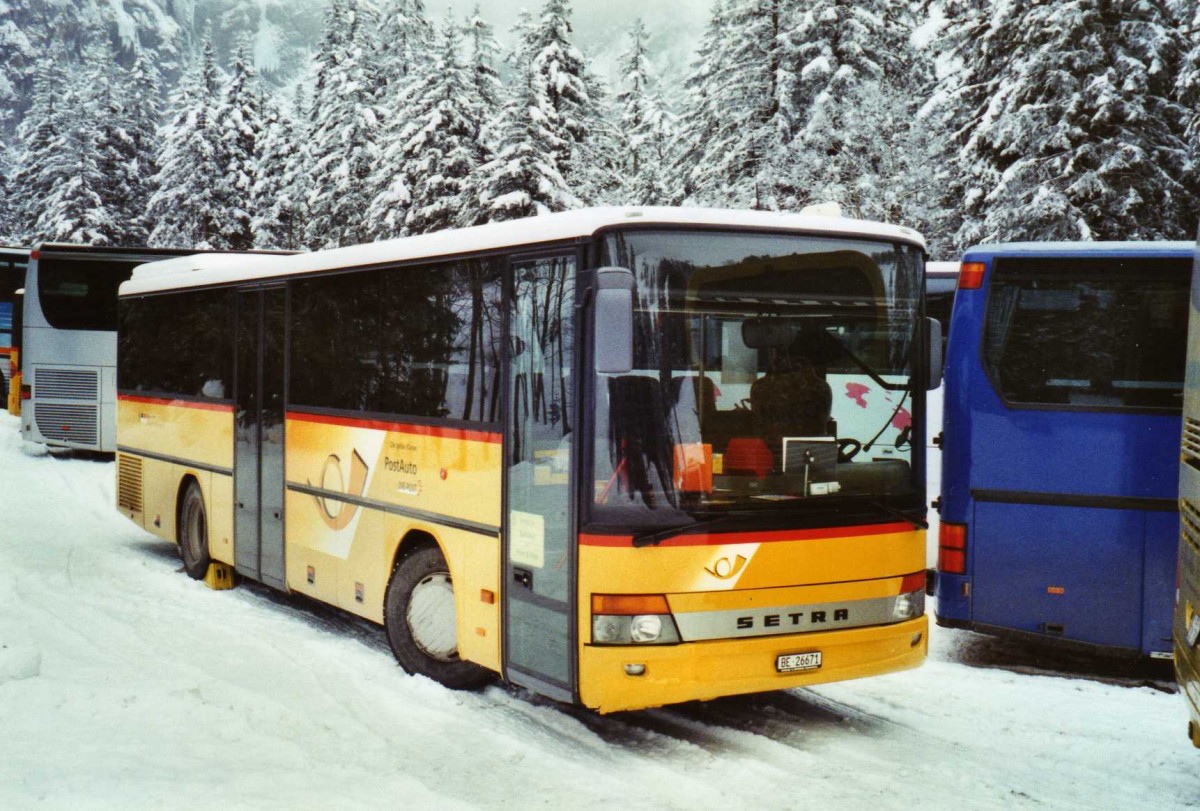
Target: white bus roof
942	268
530	231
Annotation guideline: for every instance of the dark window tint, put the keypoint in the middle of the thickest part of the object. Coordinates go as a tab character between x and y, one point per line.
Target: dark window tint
336	323
177	343
416	341
1102	333
81	294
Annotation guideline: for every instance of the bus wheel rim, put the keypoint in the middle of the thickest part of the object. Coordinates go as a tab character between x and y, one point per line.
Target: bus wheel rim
432	620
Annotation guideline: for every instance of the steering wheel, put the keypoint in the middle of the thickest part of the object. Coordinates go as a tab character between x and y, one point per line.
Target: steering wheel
848	448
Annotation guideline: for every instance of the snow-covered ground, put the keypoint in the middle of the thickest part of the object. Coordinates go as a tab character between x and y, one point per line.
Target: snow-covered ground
124	683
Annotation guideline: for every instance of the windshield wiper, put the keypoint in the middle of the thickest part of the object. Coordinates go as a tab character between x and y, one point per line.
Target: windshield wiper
866	367
659	535
892	511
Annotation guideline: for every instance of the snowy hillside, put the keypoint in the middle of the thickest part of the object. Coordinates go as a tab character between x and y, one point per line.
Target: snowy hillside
124	683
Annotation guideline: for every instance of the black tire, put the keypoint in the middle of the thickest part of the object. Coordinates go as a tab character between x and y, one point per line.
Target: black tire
193	533
422	631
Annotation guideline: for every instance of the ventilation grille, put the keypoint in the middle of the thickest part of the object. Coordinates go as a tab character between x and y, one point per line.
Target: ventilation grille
1189	525
129	483
65	384
67	423
1191	441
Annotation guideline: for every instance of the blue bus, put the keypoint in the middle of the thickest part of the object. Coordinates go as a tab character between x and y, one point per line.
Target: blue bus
1064	379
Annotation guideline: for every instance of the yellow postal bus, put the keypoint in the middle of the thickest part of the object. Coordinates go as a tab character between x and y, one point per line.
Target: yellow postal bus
621	457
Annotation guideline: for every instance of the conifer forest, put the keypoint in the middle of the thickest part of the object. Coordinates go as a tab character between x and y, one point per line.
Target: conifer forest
236	124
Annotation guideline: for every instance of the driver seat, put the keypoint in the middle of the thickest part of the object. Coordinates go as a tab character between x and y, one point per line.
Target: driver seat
793	403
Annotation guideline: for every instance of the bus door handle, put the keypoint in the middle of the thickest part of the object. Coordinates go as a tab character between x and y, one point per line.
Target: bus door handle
524	577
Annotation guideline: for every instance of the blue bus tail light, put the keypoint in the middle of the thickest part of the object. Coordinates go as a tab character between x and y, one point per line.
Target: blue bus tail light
952	548
970	276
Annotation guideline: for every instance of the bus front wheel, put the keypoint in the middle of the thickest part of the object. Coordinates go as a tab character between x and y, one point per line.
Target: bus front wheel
422	622
193	533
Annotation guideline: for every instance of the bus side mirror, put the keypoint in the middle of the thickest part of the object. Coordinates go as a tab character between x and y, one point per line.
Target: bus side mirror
614	321
933	334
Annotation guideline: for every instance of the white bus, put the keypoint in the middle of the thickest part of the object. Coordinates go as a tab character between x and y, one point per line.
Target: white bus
69	342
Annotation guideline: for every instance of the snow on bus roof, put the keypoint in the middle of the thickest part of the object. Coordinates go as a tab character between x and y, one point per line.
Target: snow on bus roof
548	228
942	268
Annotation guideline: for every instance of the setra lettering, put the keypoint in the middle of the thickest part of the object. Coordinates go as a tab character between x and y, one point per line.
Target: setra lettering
791	620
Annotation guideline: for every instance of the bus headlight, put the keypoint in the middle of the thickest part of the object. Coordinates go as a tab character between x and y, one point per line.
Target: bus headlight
609	630
646	628
632	619
908	606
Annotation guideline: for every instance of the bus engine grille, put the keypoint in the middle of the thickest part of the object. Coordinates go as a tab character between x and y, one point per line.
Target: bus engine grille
129	483
1189	524
65	384
67	423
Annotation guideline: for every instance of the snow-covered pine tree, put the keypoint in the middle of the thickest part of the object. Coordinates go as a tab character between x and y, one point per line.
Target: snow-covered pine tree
8	213
103	96
646	129
1077	135
439	146
1187	93
239	129
75	209
488	102
183	207
38	135
853	81
404	42
141	116
523	179
280	189
560	86
700	119
344	130
738	99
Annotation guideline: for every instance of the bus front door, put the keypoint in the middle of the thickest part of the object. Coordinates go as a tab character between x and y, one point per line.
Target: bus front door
258	441
538	552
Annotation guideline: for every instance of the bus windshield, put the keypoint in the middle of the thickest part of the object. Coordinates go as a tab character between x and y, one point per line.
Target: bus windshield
771	372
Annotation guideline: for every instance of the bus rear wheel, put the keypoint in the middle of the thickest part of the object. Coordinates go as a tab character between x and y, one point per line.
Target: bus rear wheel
422	623
193	533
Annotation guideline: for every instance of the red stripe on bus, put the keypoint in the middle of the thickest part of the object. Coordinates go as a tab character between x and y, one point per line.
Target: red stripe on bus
438	431
134	398
775	536
5	350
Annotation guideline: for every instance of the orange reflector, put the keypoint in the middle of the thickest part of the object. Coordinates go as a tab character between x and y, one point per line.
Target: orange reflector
629	604
913	582
970	275
952	548
487	596
1055	590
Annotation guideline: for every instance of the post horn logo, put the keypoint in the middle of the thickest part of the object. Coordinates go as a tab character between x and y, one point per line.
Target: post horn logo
725	569
338	514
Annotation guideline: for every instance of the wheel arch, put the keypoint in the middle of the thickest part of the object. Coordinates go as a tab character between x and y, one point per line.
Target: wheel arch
413	541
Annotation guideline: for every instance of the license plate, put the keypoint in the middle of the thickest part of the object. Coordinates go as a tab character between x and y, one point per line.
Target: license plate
795	662
1193	631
